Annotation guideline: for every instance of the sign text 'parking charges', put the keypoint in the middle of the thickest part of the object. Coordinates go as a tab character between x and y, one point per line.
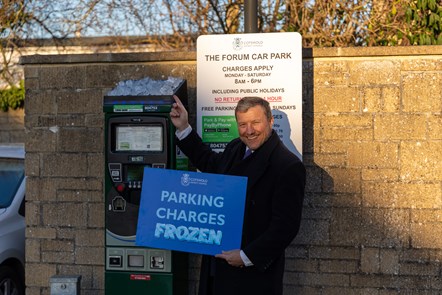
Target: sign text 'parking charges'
191	211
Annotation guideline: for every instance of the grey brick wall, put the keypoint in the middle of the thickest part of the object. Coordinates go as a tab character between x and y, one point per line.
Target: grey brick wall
372	124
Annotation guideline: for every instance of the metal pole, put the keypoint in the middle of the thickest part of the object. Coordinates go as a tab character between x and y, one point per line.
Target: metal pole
250	16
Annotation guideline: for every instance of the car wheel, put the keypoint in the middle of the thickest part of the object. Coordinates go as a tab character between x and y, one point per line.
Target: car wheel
10	283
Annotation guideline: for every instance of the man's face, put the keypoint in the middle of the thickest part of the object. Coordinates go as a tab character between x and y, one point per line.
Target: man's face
253	127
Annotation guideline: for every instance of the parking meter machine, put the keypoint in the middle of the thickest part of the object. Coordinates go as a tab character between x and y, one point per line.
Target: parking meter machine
138	134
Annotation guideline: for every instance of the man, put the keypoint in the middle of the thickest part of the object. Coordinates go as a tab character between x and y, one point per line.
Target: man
275	193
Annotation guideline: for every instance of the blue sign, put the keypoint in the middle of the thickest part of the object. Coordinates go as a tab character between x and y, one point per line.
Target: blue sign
191	212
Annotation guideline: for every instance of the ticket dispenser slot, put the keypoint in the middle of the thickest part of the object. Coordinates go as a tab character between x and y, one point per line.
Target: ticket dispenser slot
138	134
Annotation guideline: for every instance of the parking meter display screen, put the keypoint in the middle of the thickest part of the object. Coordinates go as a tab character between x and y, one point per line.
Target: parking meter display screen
139	138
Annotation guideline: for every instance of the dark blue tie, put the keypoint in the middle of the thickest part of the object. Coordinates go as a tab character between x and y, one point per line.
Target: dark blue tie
247	153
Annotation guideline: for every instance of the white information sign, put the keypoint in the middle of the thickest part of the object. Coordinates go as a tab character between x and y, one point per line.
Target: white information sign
230	67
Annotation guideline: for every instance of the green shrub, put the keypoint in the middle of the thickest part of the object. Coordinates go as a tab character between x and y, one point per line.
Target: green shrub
13	97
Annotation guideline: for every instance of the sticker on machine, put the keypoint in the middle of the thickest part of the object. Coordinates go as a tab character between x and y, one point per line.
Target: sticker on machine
191	212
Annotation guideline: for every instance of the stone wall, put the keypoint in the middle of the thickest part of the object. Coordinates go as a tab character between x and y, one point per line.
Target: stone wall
372	123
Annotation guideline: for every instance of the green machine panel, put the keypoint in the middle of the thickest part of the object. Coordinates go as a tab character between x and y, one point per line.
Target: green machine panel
117	283
138	134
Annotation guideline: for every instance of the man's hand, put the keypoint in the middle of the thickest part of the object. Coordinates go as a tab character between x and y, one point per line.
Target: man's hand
232	257
178	115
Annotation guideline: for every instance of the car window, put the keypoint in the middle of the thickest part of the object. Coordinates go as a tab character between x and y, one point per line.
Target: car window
11	176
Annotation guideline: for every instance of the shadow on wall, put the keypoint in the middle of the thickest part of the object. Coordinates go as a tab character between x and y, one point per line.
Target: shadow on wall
284	124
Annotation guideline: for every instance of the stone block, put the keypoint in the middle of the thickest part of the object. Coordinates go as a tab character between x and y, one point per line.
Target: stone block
81	101
32	164
380	174
370	260
333	146
96	165
422	92
71	120
345	180
313	232
31	72
347	120
316	213
76	184
58	257
47	121
302	265
81	140
292	251
422	64
66	233
402	195
74	165
94	120
32	83
421	161
82	194
426	216
89	255
338	266
333	73
65	214
98	278
325	280
45	232
366	281
426	235
329	252
63	76
371	99
373	155
33	216
419	269
400	127
345	200
57	245
89	237
40	189
435	127
346	134
41	140
33	251
391	101
38	274
331	160
39	103
384	228
104	76
389	261
374	72
346	227
95	215
336	100
416	255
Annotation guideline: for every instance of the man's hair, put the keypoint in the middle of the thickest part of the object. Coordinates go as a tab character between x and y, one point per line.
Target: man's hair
245	103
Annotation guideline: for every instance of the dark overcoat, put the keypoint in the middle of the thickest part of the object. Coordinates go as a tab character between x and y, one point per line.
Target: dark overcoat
275	193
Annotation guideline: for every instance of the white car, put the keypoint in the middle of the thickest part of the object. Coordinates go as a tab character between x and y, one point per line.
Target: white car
12	220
